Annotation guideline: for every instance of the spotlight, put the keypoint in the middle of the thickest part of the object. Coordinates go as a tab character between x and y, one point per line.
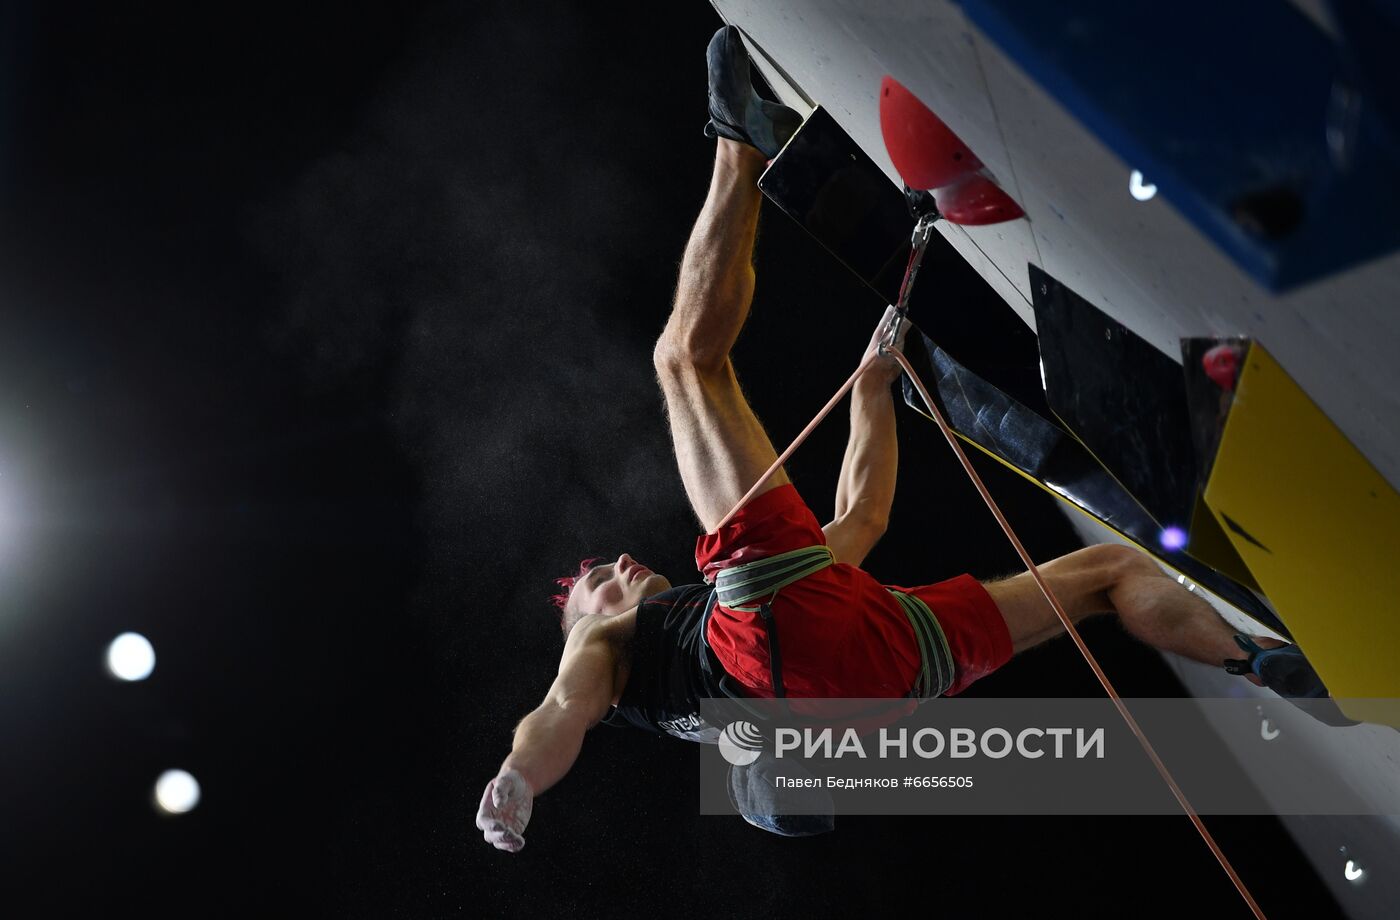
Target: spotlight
131	657
177	792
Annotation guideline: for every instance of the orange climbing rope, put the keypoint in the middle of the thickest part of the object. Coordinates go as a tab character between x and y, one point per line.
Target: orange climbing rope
1074	634
925	228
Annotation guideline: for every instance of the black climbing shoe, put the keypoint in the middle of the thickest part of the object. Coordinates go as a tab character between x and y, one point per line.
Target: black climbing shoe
1285	671
736	110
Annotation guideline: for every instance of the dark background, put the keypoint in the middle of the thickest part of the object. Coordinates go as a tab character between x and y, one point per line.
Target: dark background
326	339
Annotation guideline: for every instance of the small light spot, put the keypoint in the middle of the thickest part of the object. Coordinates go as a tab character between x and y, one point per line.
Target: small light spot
1354	872
131	657
177	792
1172	538
1140	189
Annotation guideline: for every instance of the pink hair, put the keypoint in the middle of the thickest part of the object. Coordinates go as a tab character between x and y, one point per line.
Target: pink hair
567	584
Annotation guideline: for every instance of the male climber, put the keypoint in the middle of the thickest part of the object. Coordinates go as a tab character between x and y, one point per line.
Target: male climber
785	609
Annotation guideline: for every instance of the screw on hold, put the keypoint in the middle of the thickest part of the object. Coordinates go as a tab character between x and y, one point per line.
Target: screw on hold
1045	290
1108	334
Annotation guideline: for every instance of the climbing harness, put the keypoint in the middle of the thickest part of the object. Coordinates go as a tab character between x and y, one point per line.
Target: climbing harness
923	231
936	658
740	586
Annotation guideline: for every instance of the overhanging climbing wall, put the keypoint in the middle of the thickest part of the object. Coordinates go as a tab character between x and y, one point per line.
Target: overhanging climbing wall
1318	528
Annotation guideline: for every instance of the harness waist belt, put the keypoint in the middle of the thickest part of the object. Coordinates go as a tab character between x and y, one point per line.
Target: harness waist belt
742	584
738	587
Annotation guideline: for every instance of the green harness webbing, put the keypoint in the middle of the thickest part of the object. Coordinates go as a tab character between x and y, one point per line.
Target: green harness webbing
742	584
936	659
739	586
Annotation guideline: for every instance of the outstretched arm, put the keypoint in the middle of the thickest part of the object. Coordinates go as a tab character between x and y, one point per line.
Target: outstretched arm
865	489
548	740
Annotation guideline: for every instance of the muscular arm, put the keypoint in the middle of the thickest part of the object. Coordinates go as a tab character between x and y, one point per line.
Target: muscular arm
865	489
547	741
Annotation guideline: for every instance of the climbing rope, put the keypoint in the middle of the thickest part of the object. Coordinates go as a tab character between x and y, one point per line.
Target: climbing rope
1078	640
922	232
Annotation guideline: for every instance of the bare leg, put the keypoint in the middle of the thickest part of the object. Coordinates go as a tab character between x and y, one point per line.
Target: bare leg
1116	579
721	448
716	280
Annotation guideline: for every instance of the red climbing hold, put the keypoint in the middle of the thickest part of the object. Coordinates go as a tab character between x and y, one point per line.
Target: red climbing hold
928	155
1221	365
975	201
924	151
